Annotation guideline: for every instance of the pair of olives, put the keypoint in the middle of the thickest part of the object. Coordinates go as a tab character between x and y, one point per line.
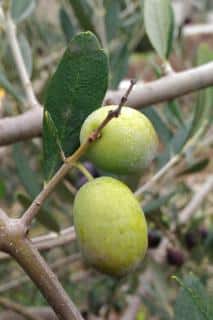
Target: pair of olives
109	222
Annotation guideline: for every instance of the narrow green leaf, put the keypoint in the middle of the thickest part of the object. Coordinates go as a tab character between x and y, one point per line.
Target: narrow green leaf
26	53
84	13
203	113
160	126
112	18
174	109
193	301
21	9
45	217
24	171
2	189
118	65
77	88
54	143
66	24
171	32
195	167
159	24
174	146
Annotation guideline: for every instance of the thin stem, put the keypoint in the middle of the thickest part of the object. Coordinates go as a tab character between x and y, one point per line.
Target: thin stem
147	186
34	208
50	240
56	266
84	171
18	309
70	187
19	61
38	270
53	240
198	198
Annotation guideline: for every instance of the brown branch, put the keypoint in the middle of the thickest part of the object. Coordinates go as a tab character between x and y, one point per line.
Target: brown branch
34	208
13	240
56	266
38	270
29	125
152	181
53	240
196	201
50	240
10	305
22	127
45	313
168	87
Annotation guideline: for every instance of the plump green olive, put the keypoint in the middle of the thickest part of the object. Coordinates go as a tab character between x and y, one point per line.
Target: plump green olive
127	144
110	226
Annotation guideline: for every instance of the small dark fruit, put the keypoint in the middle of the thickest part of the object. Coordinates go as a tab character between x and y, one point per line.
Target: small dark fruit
81	179
92	169
203	233
191	239
175	257
154	239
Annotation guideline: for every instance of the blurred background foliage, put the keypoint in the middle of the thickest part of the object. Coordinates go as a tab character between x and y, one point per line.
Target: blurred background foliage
44	31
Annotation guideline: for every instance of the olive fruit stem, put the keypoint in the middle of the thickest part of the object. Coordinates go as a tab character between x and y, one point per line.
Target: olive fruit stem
84	171
69	162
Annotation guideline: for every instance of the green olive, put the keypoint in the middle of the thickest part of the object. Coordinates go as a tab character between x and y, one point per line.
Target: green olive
127	144
110	226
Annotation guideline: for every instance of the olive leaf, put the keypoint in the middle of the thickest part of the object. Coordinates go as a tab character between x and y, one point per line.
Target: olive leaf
66	24
20	10
193	301
76	89
159	24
